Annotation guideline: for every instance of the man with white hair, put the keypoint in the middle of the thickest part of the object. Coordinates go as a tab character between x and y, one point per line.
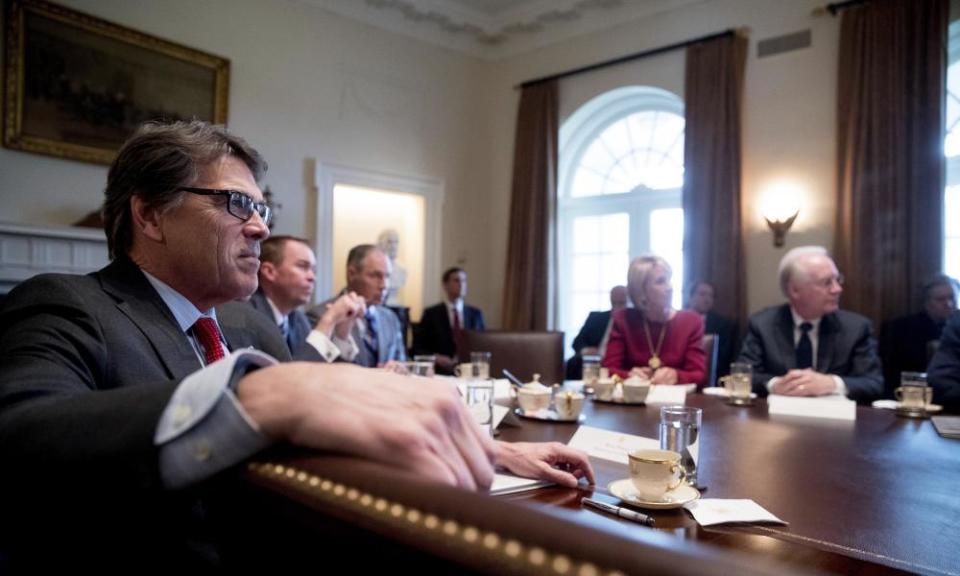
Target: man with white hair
808	346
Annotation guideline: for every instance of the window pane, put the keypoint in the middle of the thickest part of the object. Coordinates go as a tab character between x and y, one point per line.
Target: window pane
666	240
951	212
613	271
951	254
587	183
586	235
586	273
615	233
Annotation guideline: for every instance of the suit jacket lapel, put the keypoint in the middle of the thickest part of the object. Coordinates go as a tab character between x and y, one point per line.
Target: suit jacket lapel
137	300
825	342
788	349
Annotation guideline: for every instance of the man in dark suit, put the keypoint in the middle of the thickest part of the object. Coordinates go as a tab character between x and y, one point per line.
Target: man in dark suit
590	339
808	347
378	331
125	392
904	341
702	298
287	272
943	373
441	327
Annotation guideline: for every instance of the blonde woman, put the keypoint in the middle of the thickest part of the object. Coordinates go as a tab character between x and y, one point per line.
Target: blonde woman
652	340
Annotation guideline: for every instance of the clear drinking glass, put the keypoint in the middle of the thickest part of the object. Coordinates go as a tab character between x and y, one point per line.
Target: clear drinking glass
481	364
479	400
680	432
591	371
425	364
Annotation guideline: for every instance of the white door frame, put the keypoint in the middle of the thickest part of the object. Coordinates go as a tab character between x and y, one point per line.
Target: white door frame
329	175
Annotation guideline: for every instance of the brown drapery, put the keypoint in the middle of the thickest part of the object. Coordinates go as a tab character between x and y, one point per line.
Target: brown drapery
528	290
890	165
713	238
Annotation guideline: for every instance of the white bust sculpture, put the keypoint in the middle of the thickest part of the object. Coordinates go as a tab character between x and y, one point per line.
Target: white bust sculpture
389	242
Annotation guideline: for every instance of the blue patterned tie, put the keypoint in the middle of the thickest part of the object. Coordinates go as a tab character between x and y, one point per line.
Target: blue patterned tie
370	338
805	347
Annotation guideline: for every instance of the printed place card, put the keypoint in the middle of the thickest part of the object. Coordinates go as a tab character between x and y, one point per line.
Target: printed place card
609	445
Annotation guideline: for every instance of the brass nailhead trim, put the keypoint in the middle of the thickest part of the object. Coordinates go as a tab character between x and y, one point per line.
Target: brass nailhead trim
511	550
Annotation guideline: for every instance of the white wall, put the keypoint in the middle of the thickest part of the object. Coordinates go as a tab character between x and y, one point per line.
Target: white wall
305	85
789	112
308	85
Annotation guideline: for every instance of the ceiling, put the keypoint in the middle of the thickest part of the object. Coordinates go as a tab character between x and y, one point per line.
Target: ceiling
494	29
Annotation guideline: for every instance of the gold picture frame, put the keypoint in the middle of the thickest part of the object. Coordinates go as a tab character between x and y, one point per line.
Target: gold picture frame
75	86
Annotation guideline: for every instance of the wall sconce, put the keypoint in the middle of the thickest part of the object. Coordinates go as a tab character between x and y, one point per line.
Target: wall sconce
780	227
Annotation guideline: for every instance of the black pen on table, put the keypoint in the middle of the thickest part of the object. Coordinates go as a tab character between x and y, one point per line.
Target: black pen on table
618	511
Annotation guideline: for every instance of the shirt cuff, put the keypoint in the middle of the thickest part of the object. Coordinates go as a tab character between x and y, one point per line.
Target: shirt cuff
326	347
203	429
771	383
347	346
841	388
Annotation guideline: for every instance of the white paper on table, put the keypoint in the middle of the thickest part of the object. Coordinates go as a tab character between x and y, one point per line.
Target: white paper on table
834	407
710	511
508	484
609	445
499	413
667	395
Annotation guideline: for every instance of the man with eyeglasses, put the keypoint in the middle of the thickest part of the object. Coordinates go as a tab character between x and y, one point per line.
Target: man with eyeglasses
125	393
808	346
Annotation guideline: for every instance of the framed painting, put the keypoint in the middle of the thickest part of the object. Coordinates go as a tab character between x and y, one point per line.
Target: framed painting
76	86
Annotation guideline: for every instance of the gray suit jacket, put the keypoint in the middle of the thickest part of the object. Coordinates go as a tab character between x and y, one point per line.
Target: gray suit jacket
87	366
846	349
390	341
299	328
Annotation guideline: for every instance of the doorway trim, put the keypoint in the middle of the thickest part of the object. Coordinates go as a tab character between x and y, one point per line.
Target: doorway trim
329	175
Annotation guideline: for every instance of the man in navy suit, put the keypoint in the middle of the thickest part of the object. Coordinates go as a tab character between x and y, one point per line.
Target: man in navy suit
944	369
702	298
440	329
590	339
287	273
809	347
377	332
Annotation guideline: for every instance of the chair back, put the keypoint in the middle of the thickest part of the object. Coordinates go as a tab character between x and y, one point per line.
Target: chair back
711	343
522	353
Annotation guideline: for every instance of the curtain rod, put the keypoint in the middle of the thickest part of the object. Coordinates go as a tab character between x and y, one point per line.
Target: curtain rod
835	7
627	58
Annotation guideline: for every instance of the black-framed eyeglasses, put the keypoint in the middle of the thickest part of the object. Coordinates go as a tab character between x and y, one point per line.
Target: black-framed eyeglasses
239	204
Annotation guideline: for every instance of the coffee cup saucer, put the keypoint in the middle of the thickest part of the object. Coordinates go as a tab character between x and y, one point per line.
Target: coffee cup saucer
917	412
625	490
548	415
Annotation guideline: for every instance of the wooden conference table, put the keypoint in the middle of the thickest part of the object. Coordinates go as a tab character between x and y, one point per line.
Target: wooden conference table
874	496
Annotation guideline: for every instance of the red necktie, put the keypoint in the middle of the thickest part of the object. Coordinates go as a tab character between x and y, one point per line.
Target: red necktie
207	332
457	331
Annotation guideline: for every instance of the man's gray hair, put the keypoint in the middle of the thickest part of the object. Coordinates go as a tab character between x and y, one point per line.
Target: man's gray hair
790	264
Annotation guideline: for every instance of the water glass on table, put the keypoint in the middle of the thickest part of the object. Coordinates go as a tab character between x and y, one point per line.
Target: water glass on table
481	364
680	433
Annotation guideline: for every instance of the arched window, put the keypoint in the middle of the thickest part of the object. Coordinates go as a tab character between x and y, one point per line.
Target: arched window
619	195
951	147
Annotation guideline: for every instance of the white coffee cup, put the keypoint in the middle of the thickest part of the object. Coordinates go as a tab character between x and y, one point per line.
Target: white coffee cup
654	473
533	400
603	389
568	405
635	389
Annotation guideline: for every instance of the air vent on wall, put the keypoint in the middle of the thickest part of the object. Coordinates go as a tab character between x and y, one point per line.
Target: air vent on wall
785	43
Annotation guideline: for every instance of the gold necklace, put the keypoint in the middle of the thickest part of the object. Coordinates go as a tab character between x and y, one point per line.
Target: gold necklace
654	361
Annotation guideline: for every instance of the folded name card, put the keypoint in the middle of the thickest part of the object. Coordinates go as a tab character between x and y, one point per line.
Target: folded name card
508	484
710	511
609	445
832	407
667	395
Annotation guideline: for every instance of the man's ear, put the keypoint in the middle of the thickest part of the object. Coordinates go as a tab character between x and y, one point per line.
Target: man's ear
268	271
146	219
